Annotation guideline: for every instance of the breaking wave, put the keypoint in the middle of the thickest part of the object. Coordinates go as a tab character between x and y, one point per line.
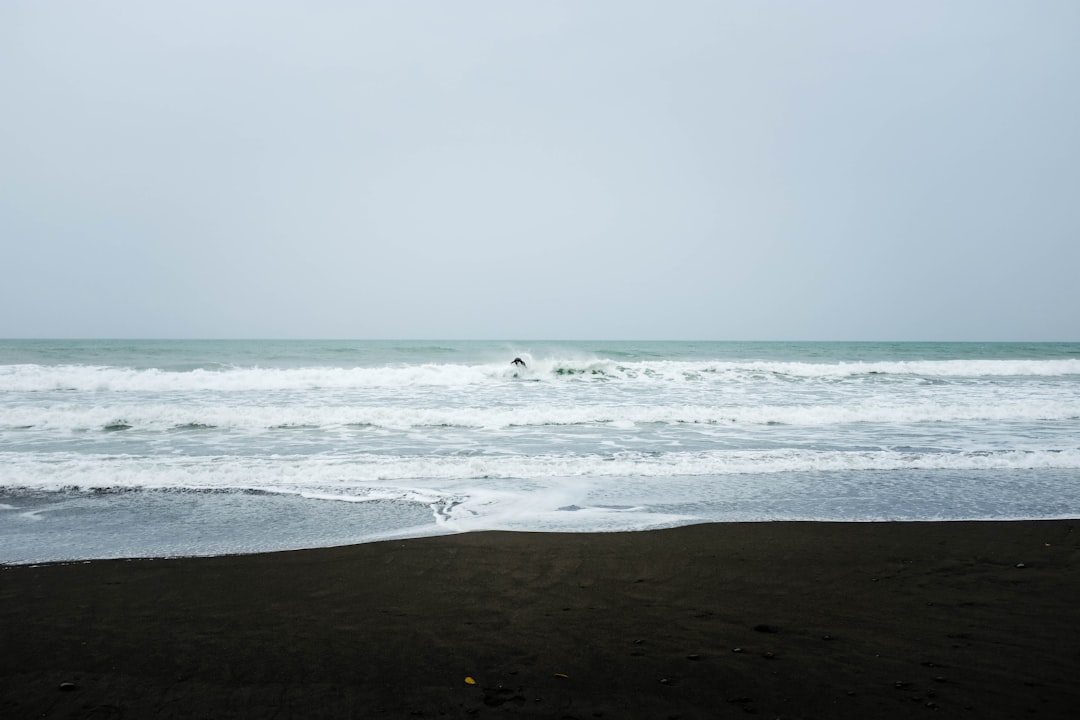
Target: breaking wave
86	378
371	476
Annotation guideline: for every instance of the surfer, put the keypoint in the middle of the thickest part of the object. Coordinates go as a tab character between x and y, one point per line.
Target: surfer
518	361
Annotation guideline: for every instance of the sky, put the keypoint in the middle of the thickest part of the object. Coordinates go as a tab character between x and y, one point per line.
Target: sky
512	169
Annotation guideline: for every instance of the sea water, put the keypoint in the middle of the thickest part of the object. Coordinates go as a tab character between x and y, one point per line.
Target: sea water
150	448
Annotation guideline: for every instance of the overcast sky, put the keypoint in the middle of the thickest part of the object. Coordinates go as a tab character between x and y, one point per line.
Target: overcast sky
531	169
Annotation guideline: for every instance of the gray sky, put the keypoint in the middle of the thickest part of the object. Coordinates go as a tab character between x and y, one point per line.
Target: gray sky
510	169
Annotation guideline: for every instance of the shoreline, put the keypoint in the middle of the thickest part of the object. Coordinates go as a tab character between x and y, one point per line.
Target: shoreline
782	619
78	525
434	531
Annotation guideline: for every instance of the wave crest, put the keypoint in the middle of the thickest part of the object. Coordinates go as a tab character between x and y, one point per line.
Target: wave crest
85	378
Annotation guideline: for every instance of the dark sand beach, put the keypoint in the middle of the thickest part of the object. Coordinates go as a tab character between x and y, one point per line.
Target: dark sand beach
791	620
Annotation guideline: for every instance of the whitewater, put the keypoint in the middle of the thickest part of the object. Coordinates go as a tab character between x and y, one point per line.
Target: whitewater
151	448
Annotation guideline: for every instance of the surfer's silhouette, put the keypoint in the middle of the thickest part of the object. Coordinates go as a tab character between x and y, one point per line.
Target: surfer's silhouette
518	361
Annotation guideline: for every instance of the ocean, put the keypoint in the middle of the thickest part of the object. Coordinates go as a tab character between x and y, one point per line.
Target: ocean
117	448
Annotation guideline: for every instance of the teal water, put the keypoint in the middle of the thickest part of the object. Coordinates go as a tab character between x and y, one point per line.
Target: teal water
183	355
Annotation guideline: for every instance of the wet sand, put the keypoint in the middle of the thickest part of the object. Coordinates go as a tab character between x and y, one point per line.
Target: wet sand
792	620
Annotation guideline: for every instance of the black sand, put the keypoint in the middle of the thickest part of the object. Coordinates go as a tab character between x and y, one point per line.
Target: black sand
792	620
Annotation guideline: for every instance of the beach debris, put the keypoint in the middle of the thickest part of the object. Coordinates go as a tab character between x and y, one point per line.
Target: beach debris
693	656
1021	565
68	686
564	676
738	649
469	680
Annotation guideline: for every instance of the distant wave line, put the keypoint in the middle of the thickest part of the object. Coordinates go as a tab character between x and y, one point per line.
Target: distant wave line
89	378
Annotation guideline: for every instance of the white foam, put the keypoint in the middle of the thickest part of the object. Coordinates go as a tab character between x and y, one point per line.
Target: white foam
113	379
560	504
162	416
924	368
425	479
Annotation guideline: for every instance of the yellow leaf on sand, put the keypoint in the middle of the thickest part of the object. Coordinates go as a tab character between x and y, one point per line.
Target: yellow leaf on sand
469	681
